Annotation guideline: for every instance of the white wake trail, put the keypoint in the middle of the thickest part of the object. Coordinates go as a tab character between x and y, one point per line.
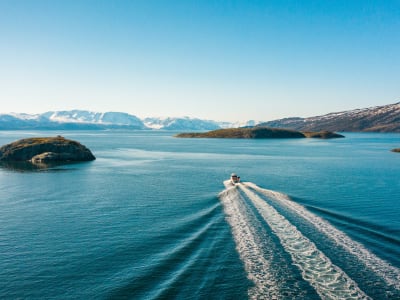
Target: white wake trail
257	267
389	273
329	281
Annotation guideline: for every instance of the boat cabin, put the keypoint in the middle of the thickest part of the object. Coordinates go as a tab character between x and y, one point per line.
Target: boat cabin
235	178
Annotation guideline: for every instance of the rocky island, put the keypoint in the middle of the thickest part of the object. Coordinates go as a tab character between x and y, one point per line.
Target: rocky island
259	133
45	150
396	150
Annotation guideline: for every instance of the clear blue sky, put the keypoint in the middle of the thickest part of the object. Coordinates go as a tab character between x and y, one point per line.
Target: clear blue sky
222	60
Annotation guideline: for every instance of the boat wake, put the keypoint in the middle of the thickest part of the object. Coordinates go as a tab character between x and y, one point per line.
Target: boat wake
245	204
256	264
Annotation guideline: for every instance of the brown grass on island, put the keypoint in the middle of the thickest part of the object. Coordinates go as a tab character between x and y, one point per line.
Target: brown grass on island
45	149
258	133
322	134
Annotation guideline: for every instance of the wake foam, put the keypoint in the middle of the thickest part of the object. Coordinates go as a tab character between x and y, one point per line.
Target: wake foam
389	273
329	281
257	267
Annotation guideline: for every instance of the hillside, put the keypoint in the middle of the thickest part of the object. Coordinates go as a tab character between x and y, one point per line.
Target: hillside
70	120
184	123
374	119
257	133
378	119
88	120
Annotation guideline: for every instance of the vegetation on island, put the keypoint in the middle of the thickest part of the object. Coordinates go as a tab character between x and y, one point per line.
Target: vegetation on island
322	134
45	150
258	133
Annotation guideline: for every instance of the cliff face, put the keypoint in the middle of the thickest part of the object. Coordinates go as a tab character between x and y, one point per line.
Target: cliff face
46	149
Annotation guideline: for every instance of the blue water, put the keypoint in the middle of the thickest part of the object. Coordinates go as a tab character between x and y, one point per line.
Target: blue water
152	219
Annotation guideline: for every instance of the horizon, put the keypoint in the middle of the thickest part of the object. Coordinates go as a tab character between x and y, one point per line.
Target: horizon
214	60
193	117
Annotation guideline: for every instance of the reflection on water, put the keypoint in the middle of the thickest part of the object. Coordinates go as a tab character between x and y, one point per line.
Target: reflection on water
143	221
26	166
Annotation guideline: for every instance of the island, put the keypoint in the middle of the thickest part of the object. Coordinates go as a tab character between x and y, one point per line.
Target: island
259	133
396	150
45	150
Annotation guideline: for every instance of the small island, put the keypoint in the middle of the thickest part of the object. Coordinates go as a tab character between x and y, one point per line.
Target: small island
396	150
45	150
259	133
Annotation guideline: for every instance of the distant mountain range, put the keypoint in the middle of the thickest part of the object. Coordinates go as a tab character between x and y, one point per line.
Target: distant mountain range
73	119
379	119
384	118
82	119
180	124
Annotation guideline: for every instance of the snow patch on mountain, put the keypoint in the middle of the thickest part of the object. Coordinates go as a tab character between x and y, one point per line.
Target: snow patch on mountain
379	118
184	123
90	117
23	116
238	124
384	118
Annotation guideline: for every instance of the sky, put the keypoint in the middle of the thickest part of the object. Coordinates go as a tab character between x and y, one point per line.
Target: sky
220	60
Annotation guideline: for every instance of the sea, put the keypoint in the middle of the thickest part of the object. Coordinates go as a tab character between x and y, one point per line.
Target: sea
155	217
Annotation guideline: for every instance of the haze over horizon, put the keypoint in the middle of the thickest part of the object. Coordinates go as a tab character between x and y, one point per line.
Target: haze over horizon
220	60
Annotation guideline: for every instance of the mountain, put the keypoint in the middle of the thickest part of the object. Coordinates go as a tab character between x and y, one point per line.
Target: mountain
72	119
379	119
184	123
95	118
250	123
21	121
82	119
384	118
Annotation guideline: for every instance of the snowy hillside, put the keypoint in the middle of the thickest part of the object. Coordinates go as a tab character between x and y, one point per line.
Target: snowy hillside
82	119
83	116
379	119
73	119
384	118
184	123
238	124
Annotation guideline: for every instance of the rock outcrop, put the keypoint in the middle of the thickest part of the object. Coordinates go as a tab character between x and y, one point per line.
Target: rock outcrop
322	134
45	150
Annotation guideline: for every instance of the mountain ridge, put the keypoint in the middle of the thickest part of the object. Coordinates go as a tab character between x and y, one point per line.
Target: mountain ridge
385	118
90	120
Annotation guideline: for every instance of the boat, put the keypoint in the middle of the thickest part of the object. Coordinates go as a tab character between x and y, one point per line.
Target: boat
234	178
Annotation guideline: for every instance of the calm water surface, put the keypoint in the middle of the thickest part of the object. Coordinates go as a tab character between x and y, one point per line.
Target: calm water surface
151	219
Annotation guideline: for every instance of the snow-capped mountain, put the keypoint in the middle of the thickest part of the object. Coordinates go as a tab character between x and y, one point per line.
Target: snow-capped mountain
384	118
20	121
82	119
379	119
90	117
73	119
184	123
249	123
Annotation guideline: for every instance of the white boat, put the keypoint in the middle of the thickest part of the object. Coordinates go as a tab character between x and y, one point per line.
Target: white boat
234	178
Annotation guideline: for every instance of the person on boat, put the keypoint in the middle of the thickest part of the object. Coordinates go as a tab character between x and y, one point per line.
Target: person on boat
235	178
